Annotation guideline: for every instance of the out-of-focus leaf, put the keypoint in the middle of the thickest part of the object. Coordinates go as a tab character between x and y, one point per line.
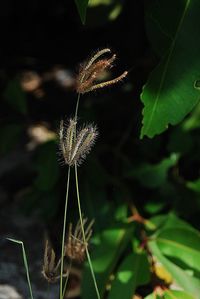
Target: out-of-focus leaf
82	8
172	221
162	273
172	294
153	296
170	92
9	135
133	272
194	186
180	141
105	255
15	96
47	167
159	30
184	279
182	244
154	175
154	207
102	11
193	120
45	204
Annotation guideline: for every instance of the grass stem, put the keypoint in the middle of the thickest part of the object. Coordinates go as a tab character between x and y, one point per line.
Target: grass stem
83	233
25	264
67	279
63	235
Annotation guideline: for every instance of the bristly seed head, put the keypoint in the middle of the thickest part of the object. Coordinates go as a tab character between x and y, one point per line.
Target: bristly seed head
75	145
50	269
75	246
90	71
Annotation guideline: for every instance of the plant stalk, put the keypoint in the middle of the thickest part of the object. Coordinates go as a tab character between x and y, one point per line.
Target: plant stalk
83	233
66	281
63	235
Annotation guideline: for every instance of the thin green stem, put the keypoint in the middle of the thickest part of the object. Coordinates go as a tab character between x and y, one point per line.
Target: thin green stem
77	105
83	232
27	272
25	263
63	235
67	278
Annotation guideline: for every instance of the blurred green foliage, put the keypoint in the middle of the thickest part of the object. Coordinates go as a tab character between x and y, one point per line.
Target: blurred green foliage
144	194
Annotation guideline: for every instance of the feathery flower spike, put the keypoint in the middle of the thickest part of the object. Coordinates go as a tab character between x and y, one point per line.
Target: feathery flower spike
90	72
75	145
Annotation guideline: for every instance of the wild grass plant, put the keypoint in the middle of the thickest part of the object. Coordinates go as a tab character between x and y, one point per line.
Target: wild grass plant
75	143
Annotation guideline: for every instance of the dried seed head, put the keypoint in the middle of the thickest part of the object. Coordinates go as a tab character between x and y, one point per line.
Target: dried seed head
75	246
75	145
50	269
93	69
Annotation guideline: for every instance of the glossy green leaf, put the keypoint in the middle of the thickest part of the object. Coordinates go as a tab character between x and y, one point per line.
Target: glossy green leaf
154	175
82	8
133	272
172	294
105	255
170	92
15	96
189	283
181	244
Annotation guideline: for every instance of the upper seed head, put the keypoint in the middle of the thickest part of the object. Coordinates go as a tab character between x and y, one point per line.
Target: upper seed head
93	69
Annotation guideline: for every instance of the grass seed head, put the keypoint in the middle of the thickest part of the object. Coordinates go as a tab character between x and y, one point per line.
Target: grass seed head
76	144
50	267
90	72
75	246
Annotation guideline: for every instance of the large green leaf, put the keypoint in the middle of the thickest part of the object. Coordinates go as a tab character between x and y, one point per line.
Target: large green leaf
170	93
133	272
189	283
82	8
108	248
181	244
